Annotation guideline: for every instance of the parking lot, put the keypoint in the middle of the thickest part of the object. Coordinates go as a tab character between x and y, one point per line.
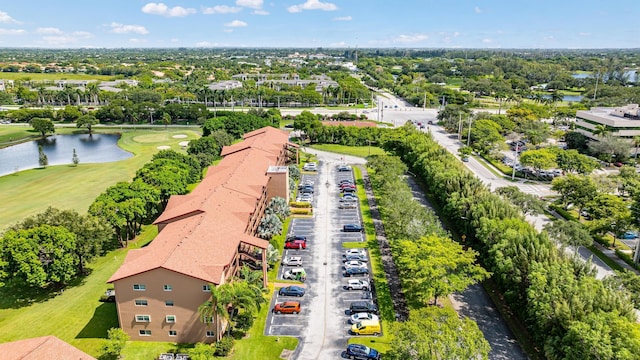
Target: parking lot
323	323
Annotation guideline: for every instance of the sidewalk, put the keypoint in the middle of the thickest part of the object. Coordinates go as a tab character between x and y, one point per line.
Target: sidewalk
611	254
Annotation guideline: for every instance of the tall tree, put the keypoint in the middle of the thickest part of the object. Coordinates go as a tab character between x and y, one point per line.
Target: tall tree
43	160
437	333
87	121
435	266
43	126
575	189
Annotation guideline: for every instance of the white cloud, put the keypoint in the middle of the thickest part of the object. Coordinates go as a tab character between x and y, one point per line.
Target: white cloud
118	28
164	10
174	40
5	18
253	4
205	44
487	41
584	34
338	44
260	12
312	5
236	23
549	38
228	30
456	34
49	31
343	18
137	41
67	39
478	10
406	39
221	9
12	31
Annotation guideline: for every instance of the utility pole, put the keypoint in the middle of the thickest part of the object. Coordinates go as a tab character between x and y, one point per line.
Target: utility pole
460	127
469	135
424	103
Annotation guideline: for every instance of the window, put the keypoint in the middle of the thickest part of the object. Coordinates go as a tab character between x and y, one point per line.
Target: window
143	318
171	318
139	287
144	332
210	333
206	288
142	302
173	333
167	287
168	303
207	319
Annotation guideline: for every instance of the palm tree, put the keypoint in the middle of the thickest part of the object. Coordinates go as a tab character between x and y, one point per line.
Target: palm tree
216	308
601	130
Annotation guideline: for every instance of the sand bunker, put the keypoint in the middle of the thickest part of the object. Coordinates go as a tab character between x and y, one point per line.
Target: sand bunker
179	136
183	143
164	147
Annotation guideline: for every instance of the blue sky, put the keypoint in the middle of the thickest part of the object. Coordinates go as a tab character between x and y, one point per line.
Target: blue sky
321	23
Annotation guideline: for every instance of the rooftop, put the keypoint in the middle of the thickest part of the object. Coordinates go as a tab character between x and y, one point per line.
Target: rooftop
41	348
203	229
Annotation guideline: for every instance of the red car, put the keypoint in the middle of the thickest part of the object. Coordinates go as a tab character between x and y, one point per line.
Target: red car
295	244
287	307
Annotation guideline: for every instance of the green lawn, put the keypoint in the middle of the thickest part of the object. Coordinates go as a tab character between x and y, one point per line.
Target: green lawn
75	315
385	303
360	151
66	187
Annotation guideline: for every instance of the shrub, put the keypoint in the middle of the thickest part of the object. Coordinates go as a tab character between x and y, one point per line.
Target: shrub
299	211
296	204
224	346
244	321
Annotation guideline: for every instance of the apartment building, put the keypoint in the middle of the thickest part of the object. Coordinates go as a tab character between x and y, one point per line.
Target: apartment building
622	122
204	238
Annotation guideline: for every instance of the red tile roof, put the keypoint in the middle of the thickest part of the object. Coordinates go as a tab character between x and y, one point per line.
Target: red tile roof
42	348
203	229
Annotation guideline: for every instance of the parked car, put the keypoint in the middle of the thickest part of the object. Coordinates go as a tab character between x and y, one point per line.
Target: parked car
629	235
465	159
346	181
354	263
291	291
305	198
343	167
311	166
348	205
352	228
347	185
292	261
361	352
355	252
357	317
366	327
357	284
356	257
349	190
295	244
355	271
306	190
362	306
297	237
109	296
294	274
348	199
287	307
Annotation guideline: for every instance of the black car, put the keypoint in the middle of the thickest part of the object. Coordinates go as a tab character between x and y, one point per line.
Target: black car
306	190
348	190
355	271
291	291
352	228
361	352
363	306
357	257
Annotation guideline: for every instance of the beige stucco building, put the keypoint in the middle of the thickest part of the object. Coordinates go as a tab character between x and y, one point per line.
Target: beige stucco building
623	122
204	238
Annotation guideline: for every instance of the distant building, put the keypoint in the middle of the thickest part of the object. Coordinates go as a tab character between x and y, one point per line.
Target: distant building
225	85
41	348
203	239
623	122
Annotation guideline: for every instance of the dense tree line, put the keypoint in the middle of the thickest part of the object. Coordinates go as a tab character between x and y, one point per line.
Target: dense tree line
430	265
567	310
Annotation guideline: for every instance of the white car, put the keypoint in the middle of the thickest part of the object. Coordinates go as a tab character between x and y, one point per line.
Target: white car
292	261
357	317
305	198
348	205
357	284
355	252
294	274
310	167
354	264
348	199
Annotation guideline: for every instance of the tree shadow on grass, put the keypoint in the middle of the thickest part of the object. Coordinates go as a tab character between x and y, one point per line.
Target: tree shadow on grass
16	294
104	318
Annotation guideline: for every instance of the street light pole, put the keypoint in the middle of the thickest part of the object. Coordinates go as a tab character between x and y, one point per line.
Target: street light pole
469	134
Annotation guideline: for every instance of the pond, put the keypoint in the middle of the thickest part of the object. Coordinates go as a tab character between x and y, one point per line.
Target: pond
97	148
568	98
632	75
